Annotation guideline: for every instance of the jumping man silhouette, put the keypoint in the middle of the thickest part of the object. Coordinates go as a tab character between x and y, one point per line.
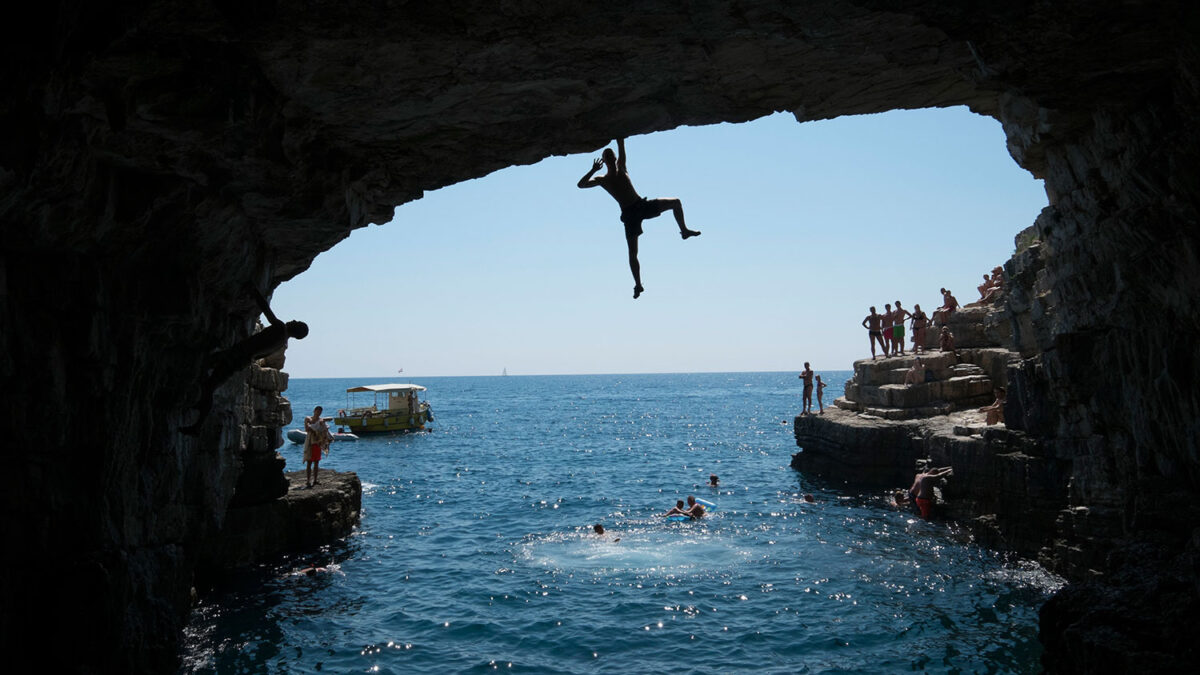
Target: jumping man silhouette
634	207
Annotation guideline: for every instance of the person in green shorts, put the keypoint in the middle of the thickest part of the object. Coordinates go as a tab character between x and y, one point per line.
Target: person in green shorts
898	316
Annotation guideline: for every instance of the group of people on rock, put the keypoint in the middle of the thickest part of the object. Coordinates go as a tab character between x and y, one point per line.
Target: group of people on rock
808	376
887	329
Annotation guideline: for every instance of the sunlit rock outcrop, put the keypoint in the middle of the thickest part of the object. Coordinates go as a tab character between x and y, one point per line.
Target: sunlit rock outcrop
159	156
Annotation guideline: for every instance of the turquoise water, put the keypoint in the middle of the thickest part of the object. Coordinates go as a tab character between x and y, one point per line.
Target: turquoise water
476	554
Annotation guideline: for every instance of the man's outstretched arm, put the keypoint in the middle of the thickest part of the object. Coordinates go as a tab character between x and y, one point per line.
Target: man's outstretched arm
264	305
587	181
621	156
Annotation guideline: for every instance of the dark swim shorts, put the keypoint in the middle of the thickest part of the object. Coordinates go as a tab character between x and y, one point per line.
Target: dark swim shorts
636	212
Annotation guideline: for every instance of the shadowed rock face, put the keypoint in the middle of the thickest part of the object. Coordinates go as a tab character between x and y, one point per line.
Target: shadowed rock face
160	156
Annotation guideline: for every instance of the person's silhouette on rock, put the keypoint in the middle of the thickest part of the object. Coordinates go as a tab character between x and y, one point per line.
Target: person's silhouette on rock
222	365
634	207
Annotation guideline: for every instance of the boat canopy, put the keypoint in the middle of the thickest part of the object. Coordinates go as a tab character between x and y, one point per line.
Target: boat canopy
386	387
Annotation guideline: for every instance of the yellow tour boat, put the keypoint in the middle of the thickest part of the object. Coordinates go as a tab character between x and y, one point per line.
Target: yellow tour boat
403	410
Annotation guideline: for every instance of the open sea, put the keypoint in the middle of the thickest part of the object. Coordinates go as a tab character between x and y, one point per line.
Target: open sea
476	551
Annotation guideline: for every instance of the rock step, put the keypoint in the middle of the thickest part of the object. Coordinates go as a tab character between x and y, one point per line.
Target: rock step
934	409
897	375
919	395
993	361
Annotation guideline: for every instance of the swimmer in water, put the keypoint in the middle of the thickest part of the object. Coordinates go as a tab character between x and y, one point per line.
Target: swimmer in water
694	510
599	530
314	570
713	480
676	510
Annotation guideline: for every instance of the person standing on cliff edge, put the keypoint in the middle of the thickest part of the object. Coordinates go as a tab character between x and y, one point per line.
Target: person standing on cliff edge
807	376
634	207
872	323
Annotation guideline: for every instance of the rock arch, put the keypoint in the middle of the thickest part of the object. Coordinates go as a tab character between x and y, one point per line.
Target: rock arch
161	154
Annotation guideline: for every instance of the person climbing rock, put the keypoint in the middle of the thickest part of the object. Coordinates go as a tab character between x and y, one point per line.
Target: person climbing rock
223	364
634	207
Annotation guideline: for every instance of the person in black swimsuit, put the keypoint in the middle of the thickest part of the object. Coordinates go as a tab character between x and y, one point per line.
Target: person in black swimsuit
873	324
634	207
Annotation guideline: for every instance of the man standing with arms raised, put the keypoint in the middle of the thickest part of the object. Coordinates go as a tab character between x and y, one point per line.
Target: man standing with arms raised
634	207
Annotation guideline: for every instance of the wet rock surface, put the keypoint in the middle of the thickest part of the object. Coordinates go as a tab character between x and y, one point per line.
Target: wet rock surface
161	155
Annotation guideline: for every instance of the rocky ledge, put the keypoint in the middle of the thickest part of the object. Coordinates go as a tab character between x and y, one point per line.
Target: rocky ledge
1028	485
301	520
1006	487
271	511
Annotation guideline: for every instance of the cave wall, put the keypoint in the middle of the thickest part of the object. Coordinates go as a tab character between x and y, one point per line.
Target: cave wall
162	155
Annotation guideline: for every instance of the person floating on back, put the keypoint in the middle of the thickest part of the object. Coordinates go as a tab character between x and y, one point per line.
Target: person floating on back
634	207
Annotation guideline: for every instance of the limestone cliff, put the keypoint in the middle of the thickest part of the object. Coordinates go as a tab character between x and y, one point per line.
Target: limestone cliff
159	155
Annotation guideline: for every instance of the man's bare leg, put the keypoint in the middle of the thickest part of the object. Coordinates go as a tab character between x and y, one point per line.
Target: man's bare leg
634	266
677	209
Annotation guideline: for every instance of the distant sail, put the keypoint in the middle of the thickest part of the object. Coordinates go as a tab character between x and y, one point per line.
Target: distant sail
505	371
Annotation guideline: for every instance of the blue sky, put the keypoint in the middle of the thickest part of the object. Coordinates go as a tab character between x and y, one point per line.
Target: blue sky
804	227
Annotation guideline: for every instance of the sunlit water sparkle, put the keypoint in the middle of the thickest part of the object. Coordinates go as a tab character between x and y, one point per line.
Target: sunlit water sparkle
476	552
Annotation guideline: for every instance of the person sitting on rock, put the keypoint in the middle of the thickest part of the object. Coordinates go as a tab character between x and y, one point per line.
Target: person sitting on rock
915	375
946	341
222	365
922	488
949	304
995	288
634	207
873	323
983	289
995	411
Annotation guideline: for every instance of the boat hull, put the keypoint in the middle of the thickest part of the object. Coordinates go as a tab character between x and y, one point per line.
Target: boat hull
383	423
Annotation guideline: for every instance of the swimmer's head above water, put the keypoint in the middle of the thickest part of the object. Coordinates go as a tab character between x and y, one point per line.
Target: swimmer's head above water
598	528
712	479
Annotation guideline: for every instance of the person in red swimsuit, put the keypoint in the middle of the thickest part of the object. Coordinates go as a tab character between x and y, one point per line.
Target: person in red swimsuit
922	488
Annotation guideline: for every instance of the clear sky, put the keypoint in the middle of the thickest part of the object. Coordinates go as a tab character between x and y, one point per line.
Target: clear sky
804	227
